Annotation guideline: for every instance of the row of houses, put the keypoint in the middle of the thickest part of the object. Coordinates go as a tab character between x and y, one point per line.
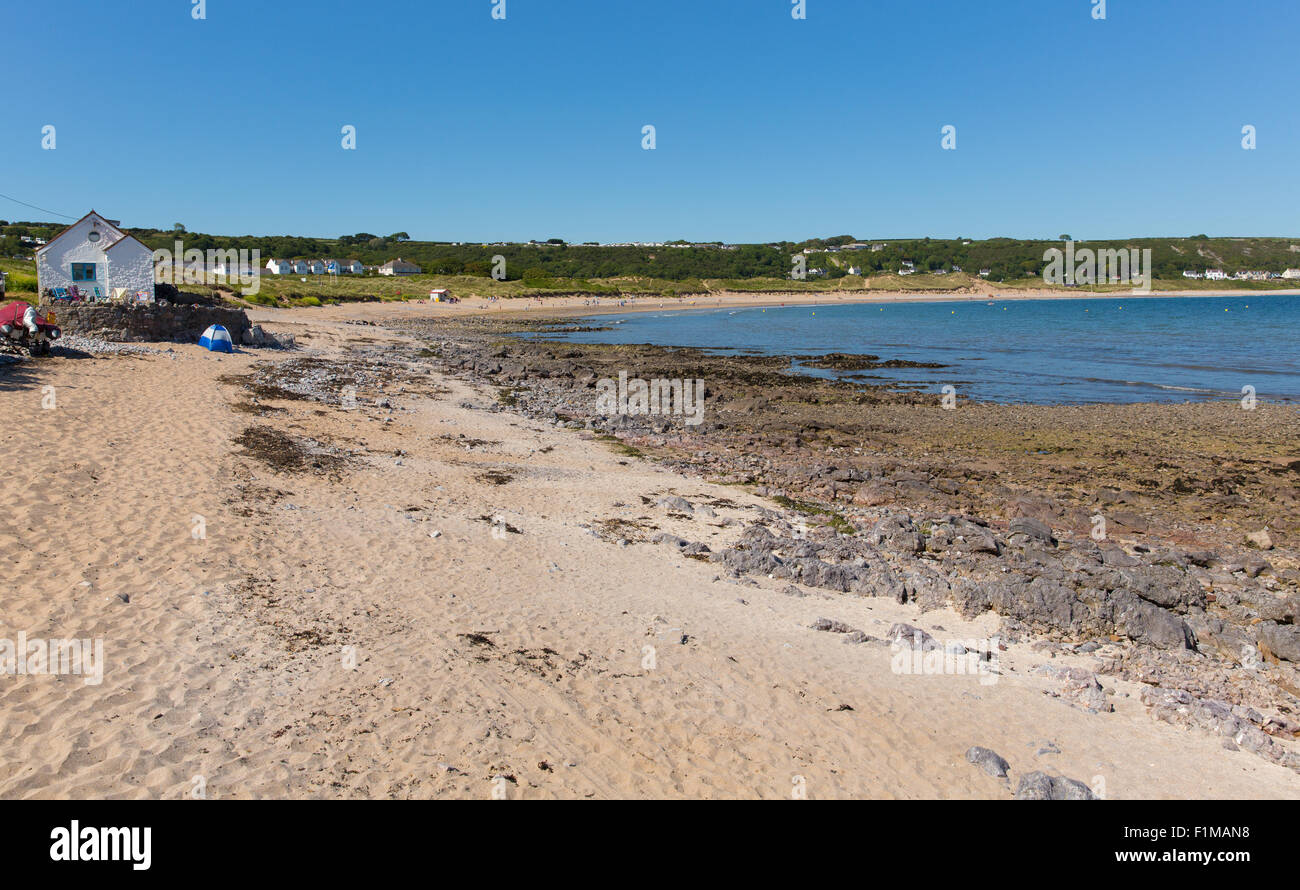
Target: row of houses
703	245
398	266
857	245
909	268
1244	275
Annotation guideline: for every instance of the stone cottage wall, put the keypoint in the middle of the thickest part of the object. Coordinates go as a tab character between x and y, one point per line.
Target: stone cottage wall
139	322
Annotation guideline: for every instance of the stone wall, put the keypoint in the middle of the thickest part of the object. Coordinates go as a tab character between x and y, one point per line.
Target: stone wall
165	322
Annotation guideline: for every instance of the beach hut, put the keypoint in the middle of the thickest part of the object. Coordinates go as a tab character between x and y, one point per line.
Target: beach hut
216	339
438	295
94	256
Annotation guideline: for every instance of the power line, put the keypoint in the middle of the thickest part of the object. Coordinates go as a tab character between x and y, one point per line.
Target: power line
34	207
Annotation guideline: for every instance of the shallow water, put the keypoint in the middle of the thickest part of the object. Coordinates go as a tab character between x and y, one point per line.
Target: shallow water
1037	351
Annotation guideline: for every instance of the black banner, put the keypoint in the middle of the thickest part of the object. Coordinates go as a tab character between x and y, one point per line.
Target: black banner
305	839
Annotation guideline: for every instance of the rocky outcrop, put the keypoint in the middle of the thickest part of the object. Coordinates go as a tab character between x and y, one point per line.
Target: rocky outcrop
1074	594
1240	725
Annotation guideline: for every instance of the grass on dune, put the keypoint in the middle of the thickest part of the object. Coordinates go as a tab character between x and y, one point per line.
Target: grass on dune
292	290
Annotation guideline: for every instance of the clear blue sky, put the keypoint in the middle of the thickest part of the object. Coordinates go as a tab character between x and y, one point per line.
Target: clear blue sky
768	128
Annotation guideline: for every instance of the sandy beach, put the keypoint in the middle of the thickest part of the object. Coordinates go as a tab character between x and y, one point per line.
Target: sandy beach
574	306
385	582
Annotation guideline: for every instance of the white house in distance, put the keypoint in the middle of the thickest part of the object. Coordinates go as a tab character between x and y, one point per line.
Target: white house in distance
99	259
313	267
232	269
344	267
399	266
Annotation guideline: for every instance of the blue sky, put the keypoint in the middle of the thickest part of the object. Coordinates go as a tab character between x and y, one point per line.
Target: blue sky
767	127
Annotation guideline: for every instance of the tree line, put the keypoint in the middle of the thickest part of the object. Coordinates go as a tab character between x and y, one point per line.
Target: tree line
1005	258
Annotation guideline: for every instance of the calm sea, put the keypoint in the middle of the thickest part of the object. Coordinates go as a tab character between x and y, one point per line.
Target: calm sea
1038	351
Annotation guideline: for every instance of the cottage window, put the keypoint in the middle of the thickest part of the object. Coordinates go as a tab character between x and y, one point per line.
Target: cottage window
83	271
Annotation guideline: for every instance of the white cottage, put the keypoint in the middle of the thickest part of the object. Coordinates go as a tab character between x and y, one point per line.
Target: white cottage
399	266
343	267
97	258
279	267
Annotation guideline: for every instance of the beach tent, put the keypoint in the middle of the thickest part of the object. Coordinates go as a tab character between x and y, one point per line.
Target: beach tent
216	339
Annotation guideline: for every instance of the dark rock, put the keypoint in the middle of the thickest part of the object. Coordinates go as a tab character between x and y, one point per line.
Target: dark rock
1076	685
1116	557
1282	611
1041	786
832	626
910	637
897	533
989	761
674	502
683	546
1032	528
1255	566
1283	640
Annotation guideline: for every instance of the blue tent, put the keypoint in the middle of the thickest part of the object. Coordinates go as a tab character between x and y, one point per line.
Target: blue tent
216	339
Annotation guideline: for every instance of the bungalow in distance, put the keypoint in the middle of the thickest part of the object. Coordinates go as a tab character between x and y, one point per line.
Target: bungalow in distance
399	266
314	267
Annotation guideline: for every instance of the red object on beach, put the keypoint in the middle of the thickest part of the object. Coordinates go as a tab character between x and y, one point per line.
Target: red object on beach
12	325
12	313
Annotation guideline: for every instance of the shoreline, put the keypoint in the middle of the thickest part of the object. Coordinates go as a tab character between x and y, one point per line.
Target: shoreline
580	307
575	309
